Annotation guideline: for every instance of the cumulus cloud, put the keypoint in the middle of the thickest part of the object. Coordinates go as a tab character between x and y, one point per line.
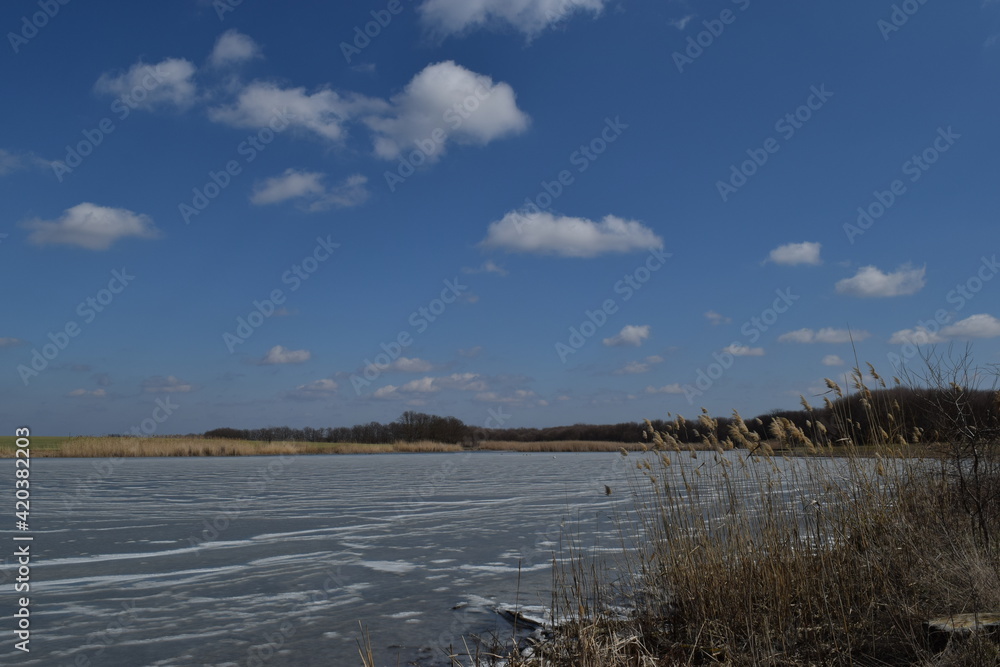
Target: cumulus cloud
674	388
791	254
410	365
13	162
629	335
167	83
91	226
637	367
871	282
716	319
974	326
307	189
432	385
315	390
281	355
743	350
824	335
233	47
84	393
548	234
517	396
166	385
832	360
445	102
981	325
323	113
530	17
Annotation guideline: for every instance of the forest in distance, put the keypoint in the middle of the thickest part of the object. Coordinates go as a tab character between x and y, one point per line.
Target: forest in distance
918	421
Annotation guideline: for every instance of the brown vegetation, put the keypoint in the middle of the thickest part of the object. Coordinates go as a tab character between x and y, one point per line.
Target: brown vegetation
751	558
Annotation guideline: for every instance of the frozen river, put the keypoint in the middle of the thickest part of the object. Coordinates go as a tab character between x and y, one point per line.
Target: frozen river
274	561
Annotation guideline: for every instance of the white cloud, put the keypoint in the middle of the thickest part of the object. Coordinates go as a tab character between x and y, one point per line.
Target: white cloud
825	335
832	360
545	233
323	113
281	355
916	336
674	388
518	396
791	254
410	365
91	226
10	342
308	189
974	326
743	350
290	185
870	282
717	319
14	162
93	393
636	367
315	390
445	102
629	335
489	266
432	385
530	17
233	47
168	385
981	325
470	352
167	83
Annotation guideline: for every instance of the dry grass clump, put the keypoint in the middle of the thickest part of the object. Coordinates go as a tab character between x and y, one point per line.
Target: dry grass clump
749	558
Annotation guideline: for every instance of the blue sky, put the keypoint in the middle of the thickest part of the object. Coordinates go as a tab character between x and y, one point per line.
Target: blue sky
520	213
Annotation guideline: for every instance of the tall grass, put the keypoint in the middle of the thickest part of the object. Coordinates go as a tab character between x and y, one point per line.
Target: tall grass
747	557
130	447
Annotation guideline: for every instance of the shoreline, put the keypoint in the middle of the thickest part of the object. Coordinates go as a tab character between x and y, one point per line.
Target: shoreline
118	447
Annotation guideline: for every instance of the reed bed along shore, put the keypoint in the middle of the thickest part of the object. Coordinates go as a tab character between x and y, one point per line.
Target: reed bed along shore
748	557
89	447
115	446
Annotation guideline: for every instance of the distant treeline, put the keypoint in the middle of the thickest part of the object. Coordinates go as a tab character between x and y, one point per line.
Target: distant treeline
915	416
